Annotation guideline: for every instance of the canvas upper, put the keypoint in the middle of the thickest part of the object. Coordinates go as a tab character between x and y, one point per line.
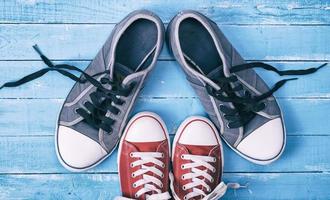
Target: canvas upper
197	161
236	99
90	123
144	159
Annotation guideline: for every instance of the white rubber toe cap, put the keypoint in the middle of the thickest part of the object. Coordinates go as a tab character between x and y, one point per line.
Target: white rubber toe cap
146	127
198	131
77	150
265	144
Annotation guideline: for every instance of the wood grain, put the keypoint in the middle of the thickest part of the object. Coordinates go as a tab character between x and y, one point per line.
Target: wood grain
289	34
38	116
36	154
81	41
167	80
226	12
105	186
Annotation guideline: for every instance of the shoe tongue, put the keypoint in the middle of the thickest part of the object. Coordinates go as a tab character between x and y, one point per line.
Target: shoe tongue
121	71
215	73
199	150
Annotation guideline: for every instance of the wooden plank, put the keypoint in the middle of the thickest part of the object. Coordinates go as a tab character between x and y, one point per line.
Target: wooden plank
228	12
106	186
32	154
275	31
38	116
166	80
59	186
27	117
80	41
279	186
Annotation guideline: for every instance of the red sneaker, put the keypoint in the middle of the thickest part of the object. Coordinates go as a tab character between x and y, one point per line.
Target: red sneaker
197	161
143	159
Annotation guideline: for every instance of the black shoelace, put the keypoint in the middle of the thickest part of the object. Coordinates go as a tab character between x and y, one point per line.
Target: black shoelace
103	100
247	105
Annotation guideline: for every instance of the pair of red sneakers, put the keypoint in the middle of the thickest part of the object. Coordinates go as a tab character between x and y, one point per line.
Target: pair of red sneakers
144	160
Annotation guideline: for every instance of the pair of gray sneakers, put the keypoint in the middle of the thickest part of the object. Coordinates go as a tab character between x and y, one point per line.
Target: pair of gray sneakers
236	99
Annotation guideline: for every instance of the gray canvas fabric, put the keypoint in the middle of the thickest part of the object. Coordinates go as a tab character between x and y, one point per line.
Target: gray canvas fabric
130	52
193	55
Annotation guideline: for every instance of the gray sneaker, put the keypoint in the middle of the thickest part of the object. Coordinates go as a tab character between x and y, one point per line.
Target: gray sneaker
95	111
236	99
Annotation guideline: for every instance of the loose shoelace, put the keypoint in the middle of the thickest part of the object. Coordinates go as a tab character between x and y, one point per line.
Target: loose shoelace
247	105
103	100
147	181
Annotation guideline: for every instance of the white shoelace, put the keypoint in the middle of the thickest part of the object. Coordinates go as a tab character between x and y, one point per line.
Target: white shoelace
197	161
201	161
147	181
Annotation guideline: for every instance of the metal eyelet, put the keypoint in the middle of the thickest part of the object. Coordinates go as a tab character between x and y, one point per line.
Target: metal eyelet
134	185
212	180
184	188
182	167
136	196
185	198
182	156
162	176
214	160
182	177
132	165
213	170
131	155
163	165
162	155
208	189
133	175
75	110
161	185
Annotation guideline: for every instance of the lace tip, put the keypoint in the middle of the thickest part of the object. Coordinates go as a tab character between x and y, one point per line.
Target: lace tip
37	49
236	185
323	65
291	79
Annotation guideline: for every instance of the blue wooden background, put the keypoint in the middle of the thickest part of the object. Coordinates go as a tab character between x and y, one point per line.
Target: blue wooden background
288	34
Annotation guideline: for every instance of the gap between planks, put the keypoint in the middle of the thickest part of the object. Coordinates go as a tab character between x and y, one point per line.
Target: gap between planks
167	59
116	173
